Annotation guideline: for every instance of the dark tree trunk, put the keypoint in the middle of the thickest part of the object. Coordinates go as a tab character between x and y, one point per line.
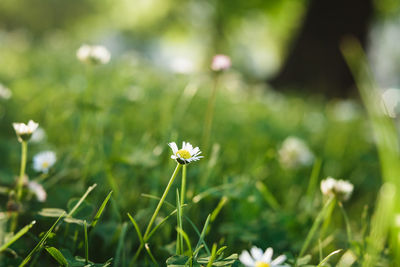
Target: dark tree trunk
315	63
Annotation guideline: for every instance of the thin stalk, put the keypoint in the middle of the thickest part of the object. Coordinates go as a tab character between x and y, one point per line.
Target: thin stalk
153	218
320	217
183	186
210	114
20	182
180	202
24	152
347	222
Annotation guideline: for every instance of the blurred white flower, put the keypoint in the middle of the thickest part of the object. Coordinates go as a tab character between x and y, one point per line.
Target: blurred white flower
186	154
38	190
294	153
24	131
340	189
345	110
258	258
220	62
38	136
94	54
182	65
43	161
391	102
5	93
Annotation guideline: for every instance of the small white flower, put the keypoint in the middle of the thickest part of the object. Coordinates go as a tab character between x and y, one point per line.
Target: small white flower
5	93
38	136
186	154
258	258
95	54
38	190
391	102
220	62
338	188
295	153
43	161
24	131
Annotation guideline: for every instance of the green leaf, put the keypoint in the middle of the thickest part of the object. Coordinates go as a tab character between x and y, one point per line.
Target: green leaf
57	255
50	212
328	257
100	211
41	242
228	261
177	260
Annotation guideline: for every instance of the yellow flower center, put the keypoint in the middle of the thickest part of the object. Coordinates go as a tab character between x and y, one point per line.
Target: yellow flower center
261	264
45	165
184	154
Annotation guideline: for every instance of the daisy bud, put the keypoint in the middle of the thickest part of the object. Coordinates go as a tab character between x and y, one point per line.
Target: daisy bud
24	131
220	63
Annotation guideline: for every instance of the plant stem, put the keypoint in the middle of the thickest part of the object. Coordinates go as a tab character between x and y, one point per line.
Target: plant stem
24	152
210	114
183	186
179	239
20	183
320	217
347	222
153	218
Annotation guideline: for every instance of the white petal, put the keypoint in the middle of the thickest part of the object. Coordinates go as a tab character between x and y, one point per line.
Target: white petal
279	260
267	255
174	147
246	259
257	253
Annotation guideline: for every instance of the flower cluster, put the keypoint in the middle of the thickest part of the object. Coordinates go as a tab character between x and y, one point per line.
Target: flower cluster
93	54
24	131
258	258
186	154
340	189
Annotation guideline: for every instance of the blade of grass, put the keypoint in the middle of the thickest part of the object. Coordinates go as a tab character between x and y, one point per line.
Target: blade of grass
202	236
17	236
327	257
119	253
146	246
86	242
41	242
100	211
213	255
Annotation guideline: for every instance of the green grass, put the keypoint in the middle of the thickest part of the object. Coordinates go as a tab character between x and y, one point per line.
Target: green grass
110	125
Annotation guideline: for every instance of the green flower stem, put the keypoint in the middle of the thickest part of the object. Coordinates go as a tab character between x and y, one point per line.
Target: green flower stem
210	114
320	218
24	153
153	218
346	221
183	186
179	239
20	183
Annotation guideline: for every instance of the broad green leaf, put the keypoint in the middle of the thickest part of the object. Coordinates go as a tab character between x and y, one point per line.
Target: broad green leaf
57	255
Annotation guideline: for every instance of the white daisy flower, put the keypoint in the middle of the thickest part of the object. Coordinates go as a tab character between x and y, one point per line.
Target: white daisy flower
339	188
94	54
38	190
295	153
220	62
258	258
24	131
43	161
186	154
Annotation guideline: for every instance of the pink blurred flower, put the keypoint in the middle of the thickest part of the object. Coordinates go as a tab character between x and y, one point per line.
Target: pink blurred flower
221	62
